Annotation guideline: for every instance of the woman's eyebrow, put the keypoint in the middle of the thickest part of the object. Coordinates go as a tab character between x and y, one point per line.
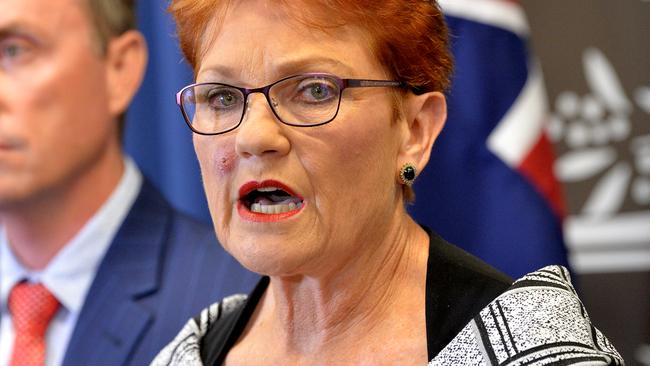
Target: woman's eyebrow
216	73
283	68
308	63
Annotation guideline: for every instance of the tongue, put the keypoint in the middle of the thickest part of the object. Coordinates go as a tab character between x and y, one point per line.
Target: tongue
276	200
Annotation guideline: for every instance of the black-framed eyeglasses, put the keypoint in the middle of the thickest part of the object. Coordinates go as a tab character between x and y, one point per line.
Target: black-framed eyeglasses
303	100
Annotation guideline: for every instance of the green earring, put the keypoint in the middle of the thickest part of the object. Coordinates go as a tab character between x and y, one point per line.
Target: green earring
407	174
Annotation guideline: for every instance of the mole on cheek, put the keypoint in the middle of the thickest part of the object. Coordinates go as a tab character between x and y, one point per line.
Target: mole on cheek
225	160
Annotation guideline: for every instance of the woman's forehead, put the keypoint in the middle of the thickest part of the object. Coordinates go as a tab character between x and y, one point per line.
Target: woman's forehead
250	41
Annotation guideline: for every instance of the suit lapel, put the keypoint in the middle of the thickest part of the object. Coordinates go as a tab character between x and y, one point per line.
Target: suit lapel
113	319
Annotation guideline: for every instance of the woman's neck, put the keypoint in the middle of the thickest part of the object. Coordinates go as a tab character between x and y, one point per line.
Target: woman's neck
361	300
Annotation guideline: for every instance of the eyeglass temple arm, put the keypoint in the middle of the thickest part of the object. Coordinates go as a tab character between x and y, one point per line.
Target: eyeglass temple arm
364	83
361	83
178	97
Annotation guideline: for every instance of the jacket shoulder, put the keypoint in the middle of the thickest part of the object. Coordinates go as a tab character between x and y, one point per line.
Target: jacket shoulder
539	320
185	348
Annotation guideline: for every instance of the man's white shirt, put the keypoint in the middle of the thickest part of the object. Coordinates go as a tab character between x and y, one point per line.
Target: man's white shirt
70	273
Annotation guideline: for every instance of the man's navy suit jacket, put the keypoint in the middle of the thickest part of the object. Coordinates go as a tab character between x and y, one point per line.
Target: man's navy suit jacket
161	269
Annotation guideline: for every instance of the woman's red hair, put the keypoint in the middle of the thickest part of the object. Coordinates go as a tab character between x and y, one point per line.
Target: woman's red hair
409	37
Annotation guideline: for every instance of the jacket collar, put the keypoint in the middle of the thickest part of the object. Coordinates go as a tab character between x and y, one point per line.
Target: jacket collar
113	318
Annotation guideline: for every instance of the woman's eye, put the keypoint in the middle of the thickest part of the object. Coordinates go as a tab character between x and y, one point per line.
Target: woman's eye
222	98
319	91
316	91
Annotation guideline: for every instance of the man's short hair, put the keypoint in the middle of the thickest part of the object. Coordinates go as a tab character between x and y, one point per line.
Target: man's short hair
111	18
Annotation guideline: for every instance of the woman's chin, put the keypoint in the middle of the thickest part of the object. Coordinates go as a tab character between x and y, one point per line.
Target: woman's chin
273	267
272	259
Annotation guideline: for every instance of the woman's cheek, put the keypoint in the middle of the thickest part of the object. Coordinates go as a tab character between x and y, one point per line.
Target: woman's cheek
201	149
224	160
215	157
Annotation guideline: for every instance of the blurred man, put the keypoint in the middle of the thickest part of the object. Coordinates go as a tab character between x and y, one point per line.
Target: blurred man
95	267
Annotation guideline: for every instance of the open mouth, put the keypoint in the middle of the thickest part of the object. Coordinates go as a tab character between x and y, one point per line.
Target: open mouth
269	198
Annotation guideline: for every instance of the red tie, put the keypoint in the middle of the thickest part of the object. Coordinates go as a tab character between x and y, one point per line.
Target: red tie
32	307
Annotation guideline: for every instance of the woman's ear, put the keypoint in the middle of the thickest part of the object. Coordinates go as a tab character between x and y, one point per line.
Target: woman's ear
425	116
126	62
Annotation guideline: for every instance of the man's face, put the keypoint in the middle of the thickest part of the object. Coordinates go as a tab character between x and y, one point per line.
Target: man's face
55	121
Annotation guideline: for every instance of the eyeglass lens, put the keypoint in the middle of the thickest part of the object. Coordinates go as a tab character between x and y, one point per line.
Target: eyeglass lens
303	100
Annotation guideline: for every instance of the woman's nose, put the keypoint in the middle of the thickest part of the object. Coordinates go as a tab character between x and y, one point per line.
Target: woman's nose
260	133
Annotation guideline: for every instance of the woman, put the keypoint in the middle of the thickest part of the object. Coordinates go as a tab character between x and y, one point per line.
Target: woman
311	121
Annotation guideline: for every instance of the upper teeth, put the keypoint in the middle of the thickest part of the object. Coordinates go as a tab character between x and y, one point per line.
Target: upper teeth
268	189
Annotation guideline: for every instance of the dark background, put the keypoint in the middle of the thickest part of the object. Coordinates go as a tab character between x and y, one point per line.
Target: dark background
618	299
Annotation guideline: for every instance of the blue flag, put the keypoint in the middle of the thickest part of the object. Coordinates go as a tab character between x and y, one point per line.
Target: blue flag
489	186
